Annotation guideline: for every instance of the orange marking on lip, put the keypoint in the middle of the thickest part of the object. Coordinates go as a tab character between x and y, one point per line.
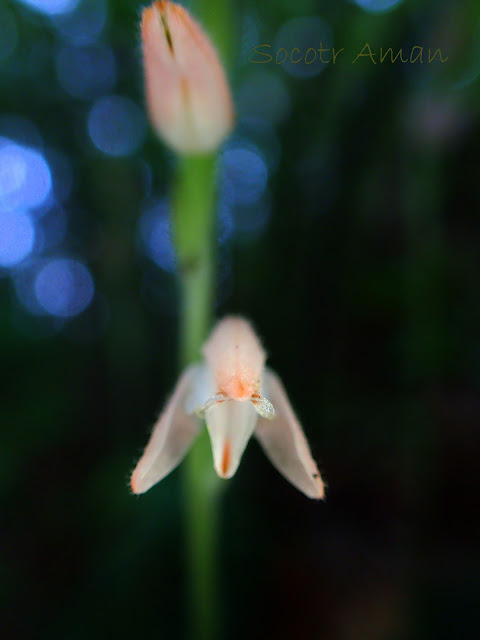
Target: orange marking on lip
236	389
226	458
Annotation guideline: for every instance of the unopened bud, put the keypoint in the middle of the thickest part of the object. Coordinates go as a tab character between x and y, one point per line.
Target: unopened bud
188	97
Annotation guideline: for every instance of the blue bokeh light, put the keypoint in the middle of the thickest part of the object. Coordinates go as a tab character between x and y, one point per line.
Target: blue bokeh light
156	235
25	178
86	71
300	40
377	6
244	174
116	125
262	134
17	237
64	287
51	7
84	24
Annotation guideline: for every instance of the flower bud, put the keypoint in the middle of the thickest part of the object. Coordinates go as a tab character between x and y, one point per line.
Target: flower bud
188	98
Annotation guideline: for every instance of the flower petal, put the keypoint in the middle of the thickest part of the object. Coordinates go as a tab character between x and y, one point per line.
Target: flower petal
284	442
172	435
235	357
230	424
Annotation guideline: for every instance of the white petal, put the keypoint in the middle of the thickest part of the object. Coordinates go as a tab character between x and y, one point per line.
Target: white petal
236	358
172	435
230	425
203	389
284	442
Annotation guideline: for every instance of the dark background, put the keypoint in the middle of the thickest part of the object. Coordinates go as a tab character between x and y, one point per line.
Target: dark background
348	233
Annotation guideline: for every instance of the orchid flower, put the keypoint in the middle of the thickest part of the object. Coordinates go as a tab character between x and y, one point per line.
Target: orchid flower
188	97
237	396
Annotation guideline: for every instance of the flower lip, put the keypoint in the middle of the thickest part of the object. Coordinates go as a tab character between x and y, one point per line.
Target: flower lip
239	389
230	425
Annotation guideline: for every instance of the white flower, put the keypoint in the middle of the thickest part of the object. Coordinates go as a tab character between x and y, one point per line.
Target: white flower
238	397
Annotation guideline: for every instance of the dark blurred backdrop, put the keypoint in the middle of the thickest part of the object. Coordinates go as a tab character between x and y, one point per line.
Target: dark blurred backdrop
349	234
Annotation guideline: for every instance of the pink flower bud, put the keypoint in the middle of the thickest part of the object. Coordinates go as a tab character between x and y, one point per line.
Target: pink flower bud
188	98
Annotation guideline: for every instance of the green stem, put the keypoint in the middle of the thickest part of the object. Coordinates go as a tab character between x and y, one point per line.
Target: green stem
194	232
202	514
195	235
